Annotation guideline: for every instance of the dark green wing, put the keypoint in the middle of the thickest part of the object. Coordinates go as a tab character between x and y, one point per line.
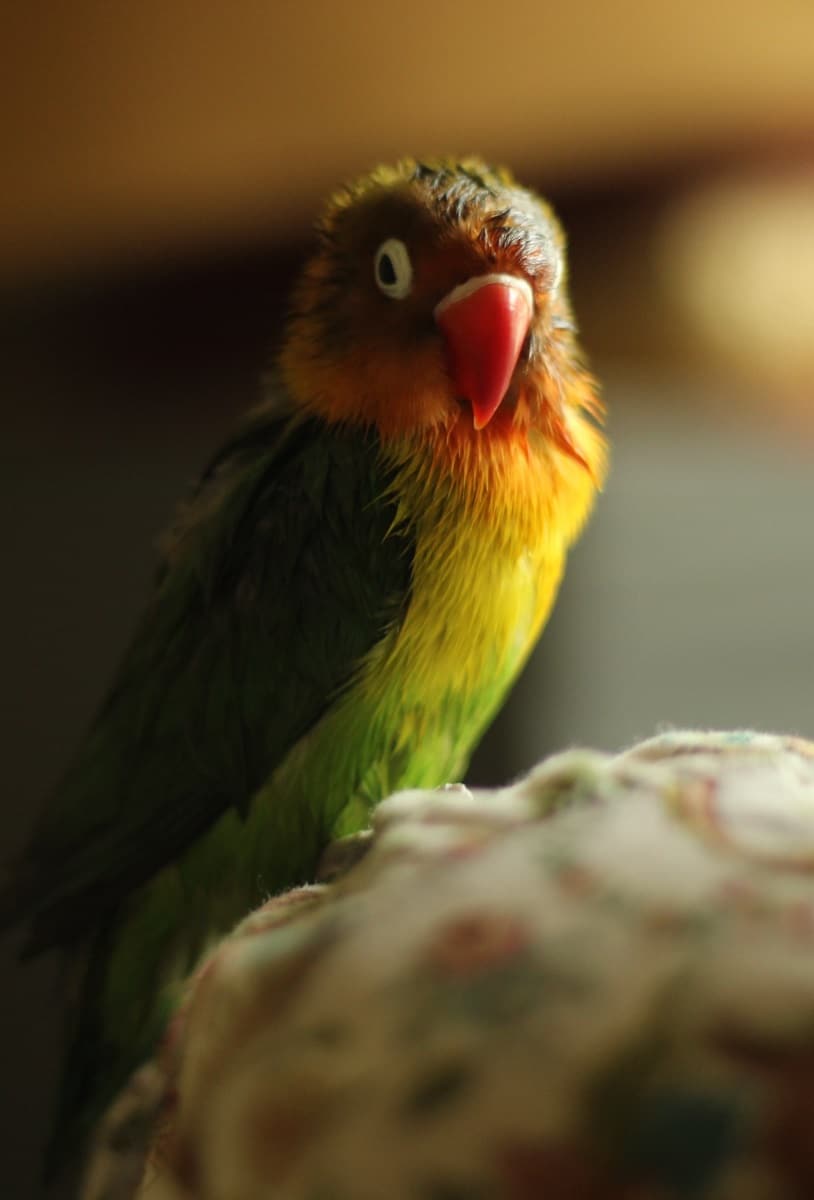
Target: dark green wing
281	572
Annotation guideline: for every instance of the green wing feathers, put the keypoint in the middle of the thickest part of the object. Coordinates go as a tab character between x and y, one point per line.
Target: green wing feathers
279	575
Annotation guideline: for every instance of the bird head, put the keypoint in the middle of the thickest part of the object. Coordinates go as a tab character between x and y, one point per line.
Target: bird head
435	303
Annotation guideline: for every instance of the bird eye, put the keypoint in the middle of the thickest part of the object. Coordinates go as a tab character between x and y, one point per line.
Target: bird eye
393	269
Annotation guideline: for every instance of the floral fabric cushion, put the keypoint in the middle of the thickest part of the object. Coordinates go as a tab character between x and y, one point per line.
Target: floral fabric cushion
597	983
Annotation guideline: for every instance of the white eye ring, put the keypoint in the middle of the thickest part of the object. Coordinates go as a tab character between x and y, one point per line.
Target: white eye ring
392	269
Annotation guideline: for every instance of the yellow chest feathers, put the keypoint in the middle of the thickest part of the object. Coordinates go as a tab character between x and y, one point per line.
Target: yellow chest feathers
491	538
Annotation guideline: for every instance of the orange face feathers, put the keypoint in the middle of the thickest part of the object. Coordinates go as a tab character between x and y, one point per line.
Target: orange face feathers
434	307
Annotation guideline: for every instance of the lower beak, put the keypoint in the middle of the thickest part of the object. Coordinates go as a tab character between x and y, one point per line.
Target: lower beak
484	323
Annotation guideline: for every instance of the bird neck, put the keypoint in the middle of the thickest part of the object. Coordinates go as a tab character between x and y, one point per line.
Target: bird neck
517	483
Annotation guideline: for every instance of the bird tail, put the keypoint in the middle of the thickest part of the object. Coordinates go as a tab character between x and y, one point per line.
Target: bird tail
97	1064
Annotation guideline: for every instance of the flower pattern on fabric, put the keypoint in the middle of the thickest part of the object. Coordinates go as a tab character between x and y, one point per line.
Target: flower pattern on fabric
597	984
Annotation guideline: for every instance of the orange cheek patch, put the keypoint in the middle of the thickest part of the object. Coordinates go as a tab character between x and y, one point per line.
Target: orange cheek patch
398	392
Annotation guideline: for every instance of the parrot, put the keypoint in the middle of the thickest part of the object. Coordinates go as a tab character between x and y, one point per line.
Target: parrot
342	600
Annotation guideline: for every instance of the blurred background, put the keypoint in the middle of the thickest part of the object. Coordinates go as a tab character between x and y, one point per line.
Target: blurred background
162	163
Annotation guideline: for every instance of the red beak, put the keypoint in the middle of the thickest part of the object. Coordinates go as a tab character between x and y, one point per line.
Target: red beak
484	323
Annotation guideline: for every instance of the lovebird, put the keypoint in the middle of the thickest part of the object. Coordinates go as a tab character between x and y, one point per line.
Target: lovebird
342	601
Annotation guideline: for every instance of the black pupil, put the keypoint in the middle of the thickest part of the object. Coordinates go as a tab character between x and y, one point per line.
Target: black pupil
387	272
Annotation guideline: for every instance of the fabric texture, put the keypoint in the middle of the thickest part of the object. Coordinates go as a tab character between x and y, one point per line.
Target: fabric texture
596	983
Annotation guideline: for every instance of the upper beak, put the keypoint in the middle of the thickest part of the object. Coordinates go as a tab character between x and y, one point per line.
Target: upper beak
484	322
